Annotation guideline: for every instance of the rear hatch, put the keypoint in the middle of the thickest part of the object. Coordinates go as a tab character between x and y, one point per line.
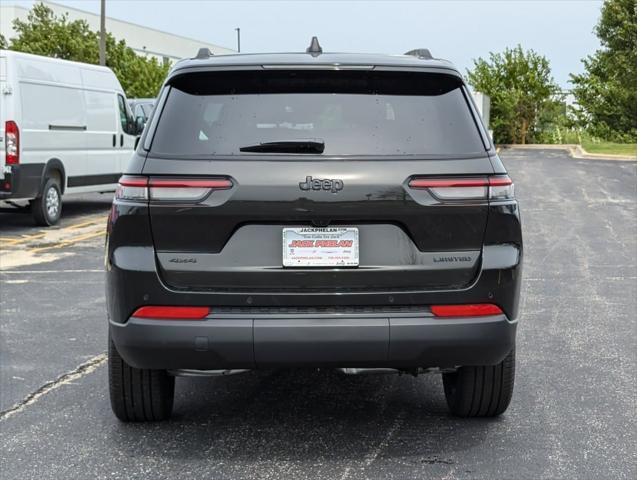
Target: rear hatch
307	181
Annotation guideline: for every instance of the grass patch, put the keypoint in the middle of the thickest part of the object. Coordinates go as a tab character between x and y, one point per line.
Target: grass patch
610	147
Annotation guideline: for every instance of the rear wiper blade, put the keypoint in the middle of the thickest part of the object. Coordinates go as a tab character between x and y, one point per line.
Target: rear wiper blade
287	146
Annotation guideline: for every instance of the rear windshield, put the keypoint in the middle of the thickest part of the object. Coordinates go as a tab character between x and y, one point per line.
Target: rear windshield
350	112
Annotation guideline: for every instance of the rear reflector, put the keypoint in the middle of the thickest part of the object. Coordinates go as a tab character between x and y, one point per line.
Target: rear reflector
172	313
496	187
474	310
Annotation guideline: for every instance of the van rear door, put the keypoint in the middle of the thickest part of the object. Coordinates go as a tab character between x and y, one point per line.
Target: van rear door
3	110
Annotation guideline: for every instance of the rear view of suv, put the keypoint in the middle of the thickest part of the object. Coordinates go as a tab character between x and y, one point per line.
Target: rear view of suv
313	210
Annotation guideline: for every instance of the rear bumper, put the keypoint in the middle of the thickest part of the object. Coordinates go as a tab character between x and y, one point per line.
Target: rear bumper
240	341
22	182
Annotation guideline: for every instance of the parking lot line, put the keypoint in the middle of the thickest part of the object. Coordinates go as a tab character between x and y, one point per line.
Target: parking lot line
86	224
70	241
13	241
31	272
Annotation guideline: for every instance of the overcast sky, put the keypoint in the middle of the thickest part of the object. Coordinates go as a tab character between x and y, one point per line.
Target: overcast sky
459	31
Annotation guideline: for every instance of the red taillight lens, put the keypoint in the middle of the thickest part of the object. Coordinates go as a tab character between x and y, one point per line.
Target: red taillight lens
473	310
448	182
218	184
12	143
496	187
172	313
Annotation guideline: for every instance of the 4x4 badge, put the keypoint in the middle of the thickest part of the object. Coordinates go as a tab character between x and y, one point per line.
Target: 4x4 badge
331	185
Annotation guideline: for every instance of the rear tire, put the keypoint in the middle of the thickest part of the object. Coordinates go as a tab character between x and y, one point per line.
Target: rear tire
138	395
47	208
483	391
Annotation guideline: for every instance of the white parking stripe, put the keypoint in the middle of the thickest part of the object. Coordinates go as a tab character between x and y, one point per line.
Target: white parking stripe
90	270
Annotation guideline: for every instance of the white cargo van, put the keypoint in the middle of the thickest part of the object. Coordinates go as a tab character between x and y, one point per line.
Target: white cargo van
65	127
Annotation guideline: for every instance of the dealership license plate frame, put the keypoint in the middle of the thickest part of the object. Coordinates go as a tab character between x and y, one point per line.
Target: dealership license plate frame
320	256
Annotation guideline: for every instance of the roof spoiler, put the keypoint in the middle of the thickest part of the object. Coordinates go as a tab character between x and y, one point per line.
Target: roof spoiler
422	53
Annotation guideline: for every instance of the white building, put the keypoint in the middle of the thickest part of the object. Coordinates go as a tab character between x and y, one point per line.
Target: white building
143	40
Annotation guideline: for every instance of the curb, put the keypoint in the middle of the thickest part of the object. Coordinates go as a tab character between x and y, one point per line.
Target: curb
574	150
579	152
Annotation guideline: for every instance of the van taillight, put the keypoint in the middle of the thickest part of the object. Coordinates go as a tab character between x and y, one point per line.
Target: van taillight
169	189
497	187
12	143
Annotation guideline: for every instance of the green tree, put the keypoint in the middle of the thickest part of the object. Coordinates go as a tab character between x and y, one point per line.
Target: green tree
607	91
3	42
520	86
554	124
44	33
139	76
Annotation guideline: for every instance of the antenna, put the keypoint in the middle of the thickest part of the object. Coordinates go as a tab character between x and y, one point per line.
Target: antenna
204	53
422	53
315	47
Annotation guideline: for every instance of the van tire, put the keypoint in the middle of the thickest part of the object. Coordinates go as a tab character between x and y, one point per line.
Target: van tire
138	395
47	207
482	391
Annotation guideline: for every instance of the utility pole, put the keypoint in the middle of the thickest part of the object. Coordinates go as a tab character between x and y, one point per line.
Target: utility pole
103	32
238	39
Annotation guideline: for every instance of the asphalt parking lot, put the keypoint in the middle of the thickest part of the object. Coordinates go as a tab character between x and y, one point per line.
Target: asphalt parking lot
573	413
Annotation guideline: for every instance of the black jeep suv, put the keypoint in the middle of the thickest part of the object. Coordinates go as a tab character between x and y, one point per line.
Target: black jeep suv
313	210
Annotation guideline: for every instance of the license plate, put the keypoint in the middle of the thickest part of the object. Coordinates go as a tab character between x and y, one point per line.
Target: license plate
320	247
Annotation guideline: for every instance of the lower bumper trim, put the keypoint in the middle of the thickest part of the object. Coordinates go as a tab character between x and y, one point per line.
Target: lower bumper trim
243	343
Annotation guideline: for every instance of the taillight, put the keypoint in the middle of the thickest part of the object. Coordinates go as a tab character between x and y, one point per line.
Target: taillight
471	310
132	188
168	189
495	187
185	189
12	143
501	188
172	313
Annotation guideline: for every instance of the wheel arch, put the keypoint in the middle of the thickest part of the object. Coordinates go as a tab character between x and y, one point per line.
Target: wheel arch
54	165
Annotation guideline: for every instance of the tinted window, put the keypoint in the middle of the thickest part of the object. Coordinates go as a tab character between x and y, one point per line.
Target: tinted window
123	112
353	113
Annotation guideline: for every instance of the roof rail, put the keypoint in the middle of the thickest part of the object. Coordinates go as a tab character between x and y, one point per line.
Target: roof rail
315	48
204	52
422	53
